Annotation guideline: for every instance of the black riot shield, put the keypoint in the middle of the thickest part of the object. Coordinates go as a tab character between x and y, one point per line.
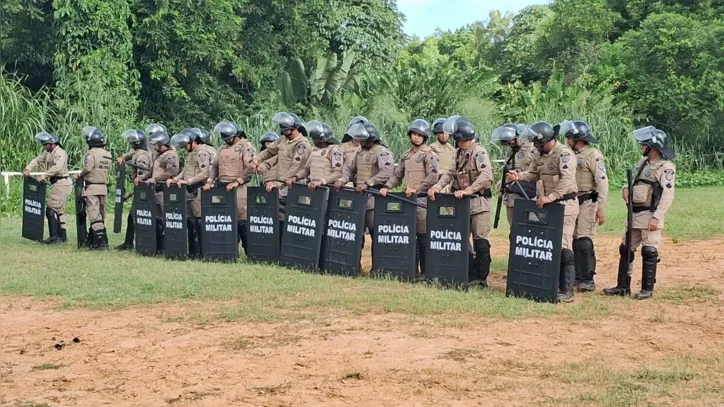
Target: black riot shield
80	213
120	191
262	225
144	219
176	238
448	247
394	245
219	230
33	209
344	231
303	227
535	251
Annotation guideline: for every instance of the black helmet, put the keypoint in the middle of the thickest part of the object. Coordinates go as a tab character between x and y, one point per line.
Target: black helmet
518	128
421	127
182	139
459	128
44	138
93	137
200	135
654	138
356	120
135	138
160	138
229	130
268	136
541	132
289	121
156	128
577	130
374	133
437	125
358	132
504	134
320	132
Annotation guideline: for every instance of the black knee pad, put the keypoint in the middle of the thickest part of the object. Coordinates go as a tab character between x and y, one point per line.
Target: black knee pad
566	256
50	213
649	253
584	244
622	251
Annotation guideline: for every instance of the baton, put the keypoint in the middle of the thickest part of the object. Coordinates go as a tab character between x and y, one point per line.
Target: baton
137	166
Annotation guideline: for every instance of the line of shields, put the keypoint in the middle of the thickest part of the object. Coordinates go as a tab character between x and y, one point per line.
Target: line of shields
323	231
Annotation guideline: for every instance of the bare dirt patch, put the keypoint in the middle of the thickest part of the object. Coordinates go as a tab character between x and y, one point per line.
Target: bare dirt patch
664	352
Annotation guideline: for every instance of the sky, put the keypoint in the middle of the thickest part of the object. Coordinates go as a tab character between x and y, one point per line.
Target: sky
423	16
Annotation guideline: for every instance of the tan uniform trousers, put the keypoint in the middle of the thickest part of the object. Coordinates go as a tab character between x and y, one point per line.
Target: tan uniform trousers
586	221
193	206
96	210
640	235
59	197
241	198
421	216
569	223
480	225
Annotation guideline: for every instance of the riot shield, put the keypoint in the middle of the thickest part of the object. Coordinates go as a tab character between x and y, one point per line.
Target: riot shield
394	245
144	219
344	231
176	238
80	213
219	231
535	251
120	191
303	227
262	225
33	209
448	248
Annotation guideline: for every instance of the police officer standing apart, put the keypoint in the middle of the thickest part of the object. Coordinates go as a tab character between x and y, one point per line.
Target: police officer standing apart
420	168
518	159
350	146
326	162
140	160
445	151
231	165
95	176
554	165
165	166
653	194
471	174
197	167
55	159
371	167
266	169
592	182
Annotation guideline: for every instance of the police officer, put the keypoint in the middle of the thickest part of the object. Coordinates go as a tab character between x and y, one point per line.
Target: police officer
153	128
350	146
266	169
471	174
445	151
325	164
518	159
95	176
653	194
592	182
55	160
554	164
140	160
420	168
232	165
197	167
371	167
165	166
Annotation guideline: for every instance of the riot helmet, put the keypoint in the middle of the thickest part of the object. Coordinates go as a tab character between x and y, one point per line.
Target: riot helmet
437	125
182	139
459	128
358	132
540	132
93	137
503	134
44	138
421	127
268	136
201	136
288	122
228	130
654	138
356	120
577	130
320	132
374	133
136	138
156	128
159	138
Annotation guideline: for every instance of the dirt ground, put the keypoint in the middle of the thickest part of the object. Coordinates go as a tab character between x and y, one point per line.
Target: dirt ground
160	356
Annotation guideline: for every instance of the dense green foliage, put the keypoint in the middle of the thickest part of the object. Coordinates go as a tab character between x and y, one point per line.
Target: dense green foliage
122	63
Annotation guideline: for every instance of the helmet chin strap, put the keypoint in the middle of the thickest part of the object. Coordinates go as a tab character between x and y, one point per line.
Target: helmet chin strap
647	151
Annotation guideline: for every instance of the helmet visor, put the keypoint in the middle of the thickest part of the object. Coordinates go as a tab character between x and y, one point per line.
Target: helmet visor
451	124
180	140
359	132
502	135
44	138
284	120
133	136
645	134
568	127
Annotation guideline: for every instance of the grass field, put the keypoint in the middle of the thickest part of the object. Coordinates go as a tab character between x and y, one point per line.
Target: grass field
351	340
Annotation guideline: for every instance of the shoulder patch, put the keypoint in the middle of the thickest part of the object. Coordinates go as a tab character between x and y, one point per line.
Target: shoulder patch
520	155
301	149
565	157
669	174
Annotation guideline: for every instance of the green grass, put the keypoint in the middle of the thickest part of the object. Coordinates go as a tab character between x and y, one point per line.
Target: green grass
695	215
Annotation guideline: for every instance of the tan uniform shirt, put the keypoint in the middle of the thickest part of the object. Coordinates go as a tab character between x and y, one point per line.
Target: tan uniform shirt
165	166
446	154
197	166
557	171
268	169
372	167
55	162
142	157
292	157
472	173
95	171
420	168
661	173
523	158
350	150
231	163
591	175
324	165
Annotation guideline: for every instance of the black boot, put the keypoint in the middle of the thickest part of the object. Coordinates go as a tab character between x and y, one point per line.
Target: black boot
421	248
53	227
481	265
241	229
623	287
63	235
585	264
649	260
471	269
130	234
100	240
193	238
160	246
90	239
567	276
